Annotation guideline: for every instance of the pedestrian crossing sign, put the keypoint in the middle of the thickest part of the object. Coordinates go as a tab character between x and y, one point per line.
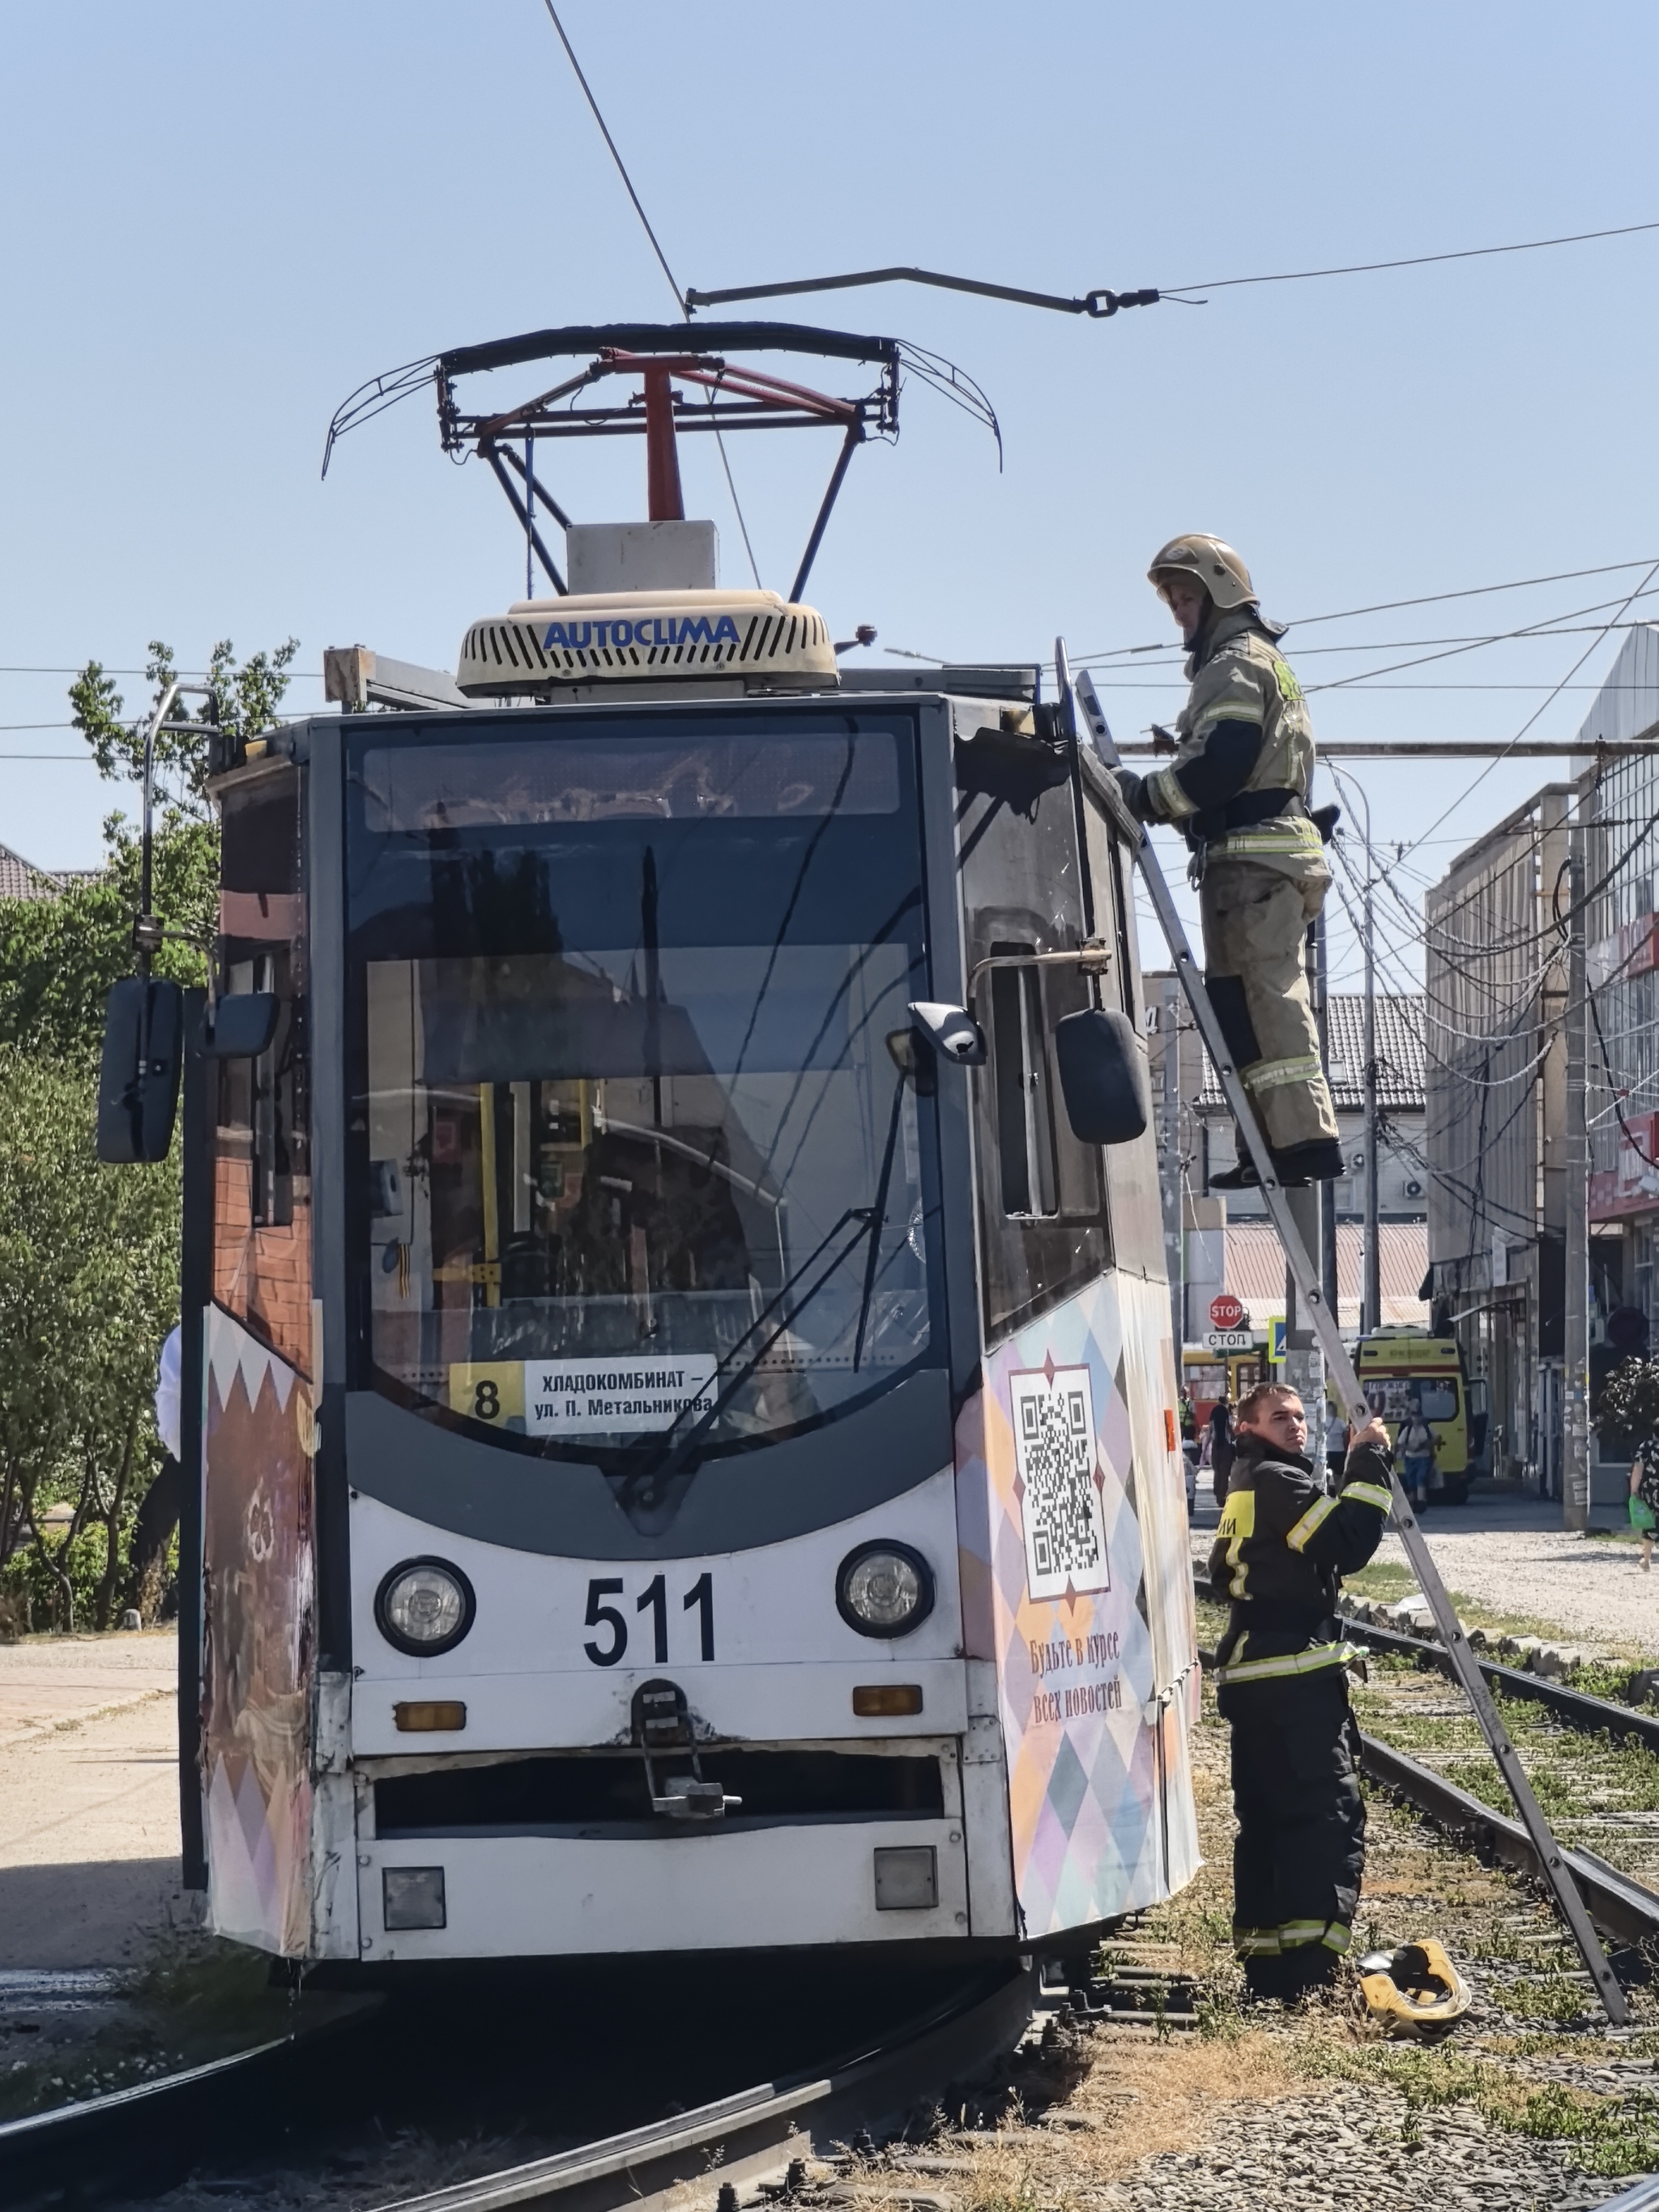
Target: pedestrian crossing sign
1276	1340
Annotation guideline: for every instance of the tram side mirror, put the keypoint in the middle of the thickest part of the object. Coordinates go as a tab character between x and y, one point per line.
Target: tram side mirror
244	1023
1103	1077
952	1031
138	1078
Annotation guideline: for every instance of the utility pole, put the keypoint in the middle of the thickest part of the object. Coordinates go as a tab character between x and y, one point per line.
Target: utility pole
1575	1379
1370	1309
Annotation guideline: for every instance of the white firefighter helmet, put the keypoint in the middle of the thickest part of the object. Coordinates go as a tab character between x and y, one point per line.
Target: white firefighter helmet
1212	562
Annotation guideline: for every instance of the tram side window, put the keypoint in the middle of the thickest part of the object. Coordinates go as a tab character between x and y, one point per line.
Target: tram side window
1044	1233
262	1117
1025	1092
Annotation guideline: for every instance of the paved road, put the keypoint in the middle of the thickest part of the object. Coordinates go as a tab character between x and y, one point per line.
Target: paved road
89	1812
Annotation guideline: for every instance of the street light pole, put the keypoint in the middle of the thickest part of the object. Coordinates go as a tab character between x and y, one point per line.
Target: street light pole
1372	1317
1575	1346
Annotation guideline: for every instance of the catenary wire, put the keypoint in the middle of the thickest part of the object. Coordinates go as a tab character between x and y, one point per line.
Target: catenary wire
1392	606
1408	261
1537	711
662	262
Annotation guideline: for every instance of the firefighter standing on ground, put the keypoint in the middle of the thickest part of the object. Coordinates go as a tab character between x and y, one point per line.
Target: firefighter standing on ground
1282	1545
1238	789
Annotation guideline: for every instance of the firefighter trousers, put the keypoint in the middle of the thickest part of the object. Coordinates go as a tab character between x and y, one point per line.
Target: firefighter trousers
1300	1851
1255	918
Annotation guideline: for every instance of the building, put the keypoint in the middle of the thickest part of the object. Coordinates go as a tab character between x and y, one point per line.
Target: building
22	879
1500	1010
1227	1243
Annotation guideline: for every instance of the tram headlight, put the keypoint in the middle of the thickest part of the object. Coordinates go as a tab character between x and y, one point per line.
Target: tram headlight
884	1589
424	1607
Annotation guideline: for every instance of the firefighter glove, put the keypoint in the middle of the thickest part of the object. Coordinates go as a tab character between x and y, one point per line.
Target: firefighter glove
1134	788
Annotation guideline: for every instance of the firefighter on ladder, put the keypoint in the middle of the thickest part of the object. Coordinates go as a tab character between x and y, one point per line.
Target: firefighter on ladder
1238	790
1283	1546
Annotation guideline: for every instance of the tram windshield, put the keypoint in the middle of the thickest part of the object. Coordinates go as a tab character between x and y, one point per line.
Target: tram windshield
638	1153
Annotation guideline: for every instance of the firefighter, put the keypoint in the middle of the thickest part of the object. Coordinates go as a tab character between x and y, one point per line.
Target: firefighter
1282	1545
1238	790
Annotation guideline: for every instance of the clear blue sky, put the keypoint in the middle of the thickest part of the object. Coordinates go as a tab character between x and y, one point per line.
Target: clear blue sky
219	220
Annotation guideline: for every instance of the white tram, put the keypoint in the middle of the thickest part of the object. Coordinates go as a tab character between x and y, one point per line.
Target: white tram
687	1422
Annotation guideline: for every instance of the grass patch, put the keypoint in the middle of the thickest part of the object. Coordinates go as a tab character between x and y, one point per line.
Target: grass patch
1610	2135
194	1998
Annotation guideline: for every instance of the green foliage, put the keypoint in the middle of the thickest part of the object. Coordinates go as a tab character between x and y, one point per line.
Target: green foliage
245	696
59	957
89	1288
1627	1413
90	1254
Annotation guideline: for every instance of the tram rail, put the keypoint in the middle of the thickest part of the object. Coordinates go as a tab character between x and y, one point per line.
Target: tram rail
126	2144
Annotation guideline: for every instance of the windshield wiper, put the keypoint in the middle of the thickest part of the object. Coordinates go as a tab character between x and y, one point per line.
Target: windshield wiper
879	1215
650	1480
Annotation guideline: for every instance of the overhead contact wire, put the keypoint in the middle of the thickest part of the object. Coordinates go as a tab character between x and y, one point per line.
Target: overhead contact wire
662	262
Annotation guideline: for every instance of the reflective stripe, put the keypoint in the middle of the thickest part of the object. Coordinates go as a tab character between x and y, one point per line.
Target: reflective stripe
1309	1661
1298	836
1238	1523
1269	1074
1320	1510
1229	710
1294	1935
1168	797
1331	1933
1369	1493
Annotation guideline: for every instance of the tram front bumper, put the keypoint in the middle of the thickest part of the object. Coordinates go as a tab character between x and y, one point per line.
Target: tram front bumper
729	1889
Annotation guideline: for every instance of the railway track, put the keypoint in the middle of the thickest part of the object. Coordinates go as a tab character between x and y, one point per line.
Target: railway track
222	2125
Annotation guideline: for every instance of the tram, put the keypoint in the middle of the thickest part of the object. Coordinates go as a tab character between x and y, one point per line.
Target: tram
678	1349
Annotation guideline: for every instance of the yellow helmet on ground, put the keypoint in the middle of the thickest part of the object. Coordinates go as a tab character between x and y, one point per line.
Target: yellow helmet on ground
1413	1991
1212	562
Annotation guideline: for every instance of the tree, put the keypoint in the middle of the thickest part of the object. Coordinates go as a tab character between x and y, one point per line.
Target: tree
246	697
89	1287
89	1253
59	957
1627	1413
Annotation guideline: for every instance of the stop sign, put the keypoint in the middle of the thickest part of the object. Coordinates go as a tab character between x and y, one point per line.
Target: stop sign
1226	1311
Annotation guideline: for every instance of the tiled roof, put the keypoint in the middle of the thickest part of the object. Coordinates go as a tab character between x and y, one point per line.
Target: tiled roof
1256	1271
1399	1054
22	879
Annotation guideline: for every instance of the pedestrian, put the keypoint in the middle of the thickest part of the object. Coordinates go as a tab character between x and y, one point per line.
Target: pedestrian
1336	1444
1279	1554
1644	1500
1238	791
1188	1418
1221	1446
158	1510
1418	1445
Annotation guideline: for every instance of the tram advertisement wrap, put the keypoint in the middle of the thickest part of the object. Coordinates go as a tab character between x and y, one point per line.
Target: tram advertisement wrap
258	1643
1084	1600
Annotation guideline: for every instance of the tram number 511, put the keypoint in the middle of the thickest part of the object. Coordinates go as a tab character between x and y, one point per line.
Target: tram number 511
653	1600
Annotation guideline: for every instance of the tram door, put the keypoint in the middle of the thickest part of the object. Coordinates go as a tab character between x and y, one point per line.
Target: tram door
1088	1603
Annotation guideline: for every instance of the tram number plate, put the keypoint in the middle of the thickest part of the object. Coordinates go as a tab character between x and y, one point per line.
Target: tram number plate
609	1608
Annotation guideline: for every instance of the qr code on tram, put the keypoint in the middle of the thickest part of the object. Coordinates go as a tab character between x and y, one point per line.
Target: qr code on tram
1054	1451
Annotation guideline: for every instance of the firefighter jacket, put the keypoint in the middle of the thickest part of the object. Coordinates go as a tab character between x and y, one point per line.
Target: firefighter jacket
1238	786
1282	1548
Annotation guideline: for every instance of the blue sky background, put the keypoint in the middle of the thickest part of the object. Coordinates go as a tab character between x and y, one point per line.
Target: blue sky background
218	221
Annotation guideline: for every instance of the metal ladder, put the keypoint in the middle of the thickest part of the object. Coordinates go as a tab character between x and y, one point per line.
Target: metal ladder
1344	1382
